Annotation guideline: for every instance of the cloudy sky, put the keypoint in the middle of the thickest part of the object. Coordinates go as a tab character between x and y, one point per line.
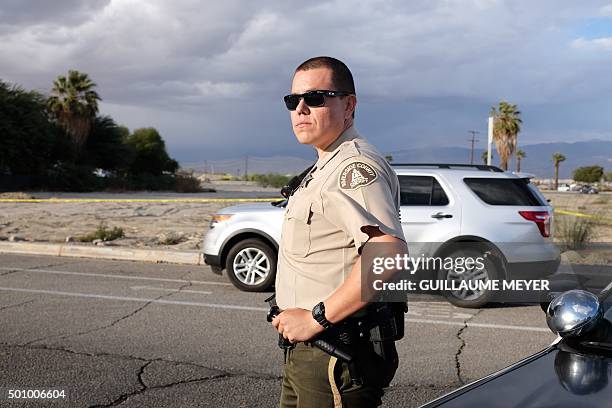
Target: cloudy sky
210	75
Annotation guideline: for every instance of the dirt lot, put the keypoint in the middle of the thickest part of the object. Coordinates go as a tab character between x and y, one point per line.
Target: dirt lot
598	205
144	224
152	224
169	225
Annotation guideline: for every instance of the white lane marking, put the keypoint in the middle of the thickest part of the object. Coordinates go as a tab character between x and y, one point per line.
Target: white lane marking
436	313
202	292
481	325
257	309
103	275
132	299
439	311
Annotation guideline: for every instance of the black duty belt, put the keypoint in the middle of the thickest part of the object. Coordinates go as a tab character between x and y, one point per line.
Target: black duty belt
382	324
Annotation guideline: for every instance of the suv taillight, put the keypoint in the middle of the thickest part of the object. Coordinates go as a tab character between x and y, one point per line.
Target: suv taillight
217	218
541	218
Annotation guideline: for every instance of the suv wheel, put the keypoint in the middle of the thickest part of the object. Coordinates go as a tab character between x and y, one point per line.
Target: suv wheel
251	265
466	297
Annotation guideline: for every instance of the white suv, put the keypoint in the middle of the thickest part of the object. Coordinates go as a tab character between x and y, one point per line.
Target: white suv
441	204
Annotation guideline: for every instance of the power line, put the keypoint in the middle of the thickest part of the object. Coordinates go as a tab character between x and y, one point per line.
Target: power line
473	140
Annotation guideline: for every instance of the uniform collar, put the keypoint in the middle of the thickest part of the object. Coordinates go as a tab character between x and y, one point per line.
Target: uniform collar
330	151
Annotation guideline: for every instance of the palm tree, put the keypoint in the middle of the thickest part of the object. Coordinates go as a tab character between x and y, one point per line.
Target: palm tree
507	125
520	154
484	155
557	158
74	104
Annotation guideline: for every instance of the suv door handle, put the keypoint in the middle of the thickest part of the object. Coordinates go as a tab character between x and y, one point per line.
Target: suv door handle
439	215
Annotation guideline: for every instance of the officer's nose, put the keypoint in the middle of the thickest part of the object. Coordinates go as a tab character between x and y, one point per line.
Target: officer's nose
302	108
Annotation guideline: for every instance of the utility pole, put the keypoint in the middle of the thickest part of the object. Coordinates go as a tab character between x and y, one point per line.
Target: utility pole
473	140
246	167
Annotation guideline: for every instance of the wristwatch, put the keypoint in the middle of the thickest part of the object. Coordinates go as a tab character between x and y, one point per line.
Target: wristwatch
318	313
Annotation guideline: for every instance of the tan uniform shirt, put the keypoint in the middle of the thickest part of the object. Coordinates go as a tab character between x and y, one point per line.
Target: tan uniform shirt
350	187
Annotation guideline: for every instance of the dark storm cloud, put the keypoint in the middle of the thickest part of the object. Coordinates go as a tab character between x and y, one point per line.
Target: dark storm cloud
25	12
426	71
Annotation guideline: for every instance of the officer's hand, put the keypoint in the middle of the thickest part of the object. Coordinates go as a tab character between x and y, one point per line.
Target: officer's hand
297	325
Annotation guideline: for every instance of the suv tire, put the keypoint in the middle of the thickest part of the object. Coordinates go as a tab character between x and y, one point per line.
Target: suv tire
251	265
491	271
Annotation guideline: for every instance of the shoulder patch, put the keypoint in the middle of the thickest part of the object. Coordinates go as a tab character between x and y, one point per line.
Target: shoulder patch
355	175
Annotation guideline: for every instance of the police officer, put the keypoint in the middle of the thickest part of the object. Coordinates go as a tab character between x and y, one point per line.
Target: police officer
350	198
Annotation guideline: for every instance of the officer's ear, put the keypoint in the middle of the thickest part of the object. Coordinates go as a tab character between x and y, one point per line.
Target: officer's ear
351	104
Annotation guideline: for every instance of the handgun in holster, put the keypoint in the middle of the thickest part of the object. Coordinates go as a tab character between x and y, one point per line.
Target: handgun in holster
331	346
385	325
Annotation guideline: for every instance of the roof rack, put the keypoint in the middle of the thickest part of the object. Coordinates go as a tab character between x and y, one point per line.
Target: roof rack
482	167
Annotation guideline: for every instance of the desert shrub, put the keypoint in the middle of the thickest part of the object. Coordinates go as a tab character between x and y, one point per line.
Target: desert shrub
104	233
270	179
574	232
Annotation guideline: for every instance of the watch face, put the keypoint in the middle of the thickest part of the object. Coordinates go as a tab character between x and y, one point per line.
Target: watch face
318	312
317	309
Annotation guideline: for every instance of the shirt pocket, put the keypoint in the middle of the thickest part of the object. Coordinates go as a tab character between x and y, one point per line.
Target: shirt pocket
296	231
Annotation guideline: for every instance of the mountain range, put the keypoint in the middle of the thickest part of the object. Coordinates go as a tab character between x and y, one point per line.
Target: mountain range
538	159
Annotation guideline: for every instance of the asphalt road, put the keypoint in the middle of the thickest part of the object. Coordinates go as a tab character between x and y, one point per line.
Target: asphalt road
140	335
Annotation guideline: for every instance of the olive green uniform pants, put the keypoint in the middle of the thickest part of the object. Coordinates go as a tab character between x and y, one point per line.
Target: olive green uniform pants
314	379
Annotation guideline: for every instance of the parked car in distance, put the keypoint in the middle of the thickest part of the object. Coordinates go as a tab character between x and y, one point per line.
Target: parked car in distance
440	205
588	189
564	187
574	371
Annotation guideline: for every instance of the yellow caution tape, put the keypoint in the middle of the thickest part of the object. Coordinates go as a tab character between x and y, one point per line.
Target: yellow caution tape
582	215
136	200
200	200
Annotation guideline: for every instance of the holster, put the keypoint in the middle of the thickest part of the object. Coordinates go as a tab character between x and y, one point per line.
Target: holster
382	325
386	321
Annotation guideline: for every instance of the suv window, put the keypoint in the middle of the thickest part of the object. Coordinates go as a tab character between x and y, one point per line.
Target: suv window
421	190
504	191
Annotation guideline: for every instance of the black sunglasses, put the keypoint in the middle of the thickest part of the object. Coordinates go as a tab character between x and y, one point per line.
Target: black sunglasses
311	98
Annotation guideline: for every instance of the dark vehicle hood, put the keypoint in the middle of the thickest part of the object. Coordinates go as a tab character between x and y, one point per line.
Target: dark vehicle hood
552	378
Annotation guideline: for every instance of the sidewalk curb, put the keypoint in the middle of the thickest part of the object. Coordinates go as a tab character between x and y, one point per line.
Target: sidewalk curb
116	253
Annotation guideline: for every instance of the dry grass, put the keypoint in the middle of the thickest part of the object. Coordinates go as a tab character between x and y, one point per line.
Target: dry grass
597	205
604	200
574	232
